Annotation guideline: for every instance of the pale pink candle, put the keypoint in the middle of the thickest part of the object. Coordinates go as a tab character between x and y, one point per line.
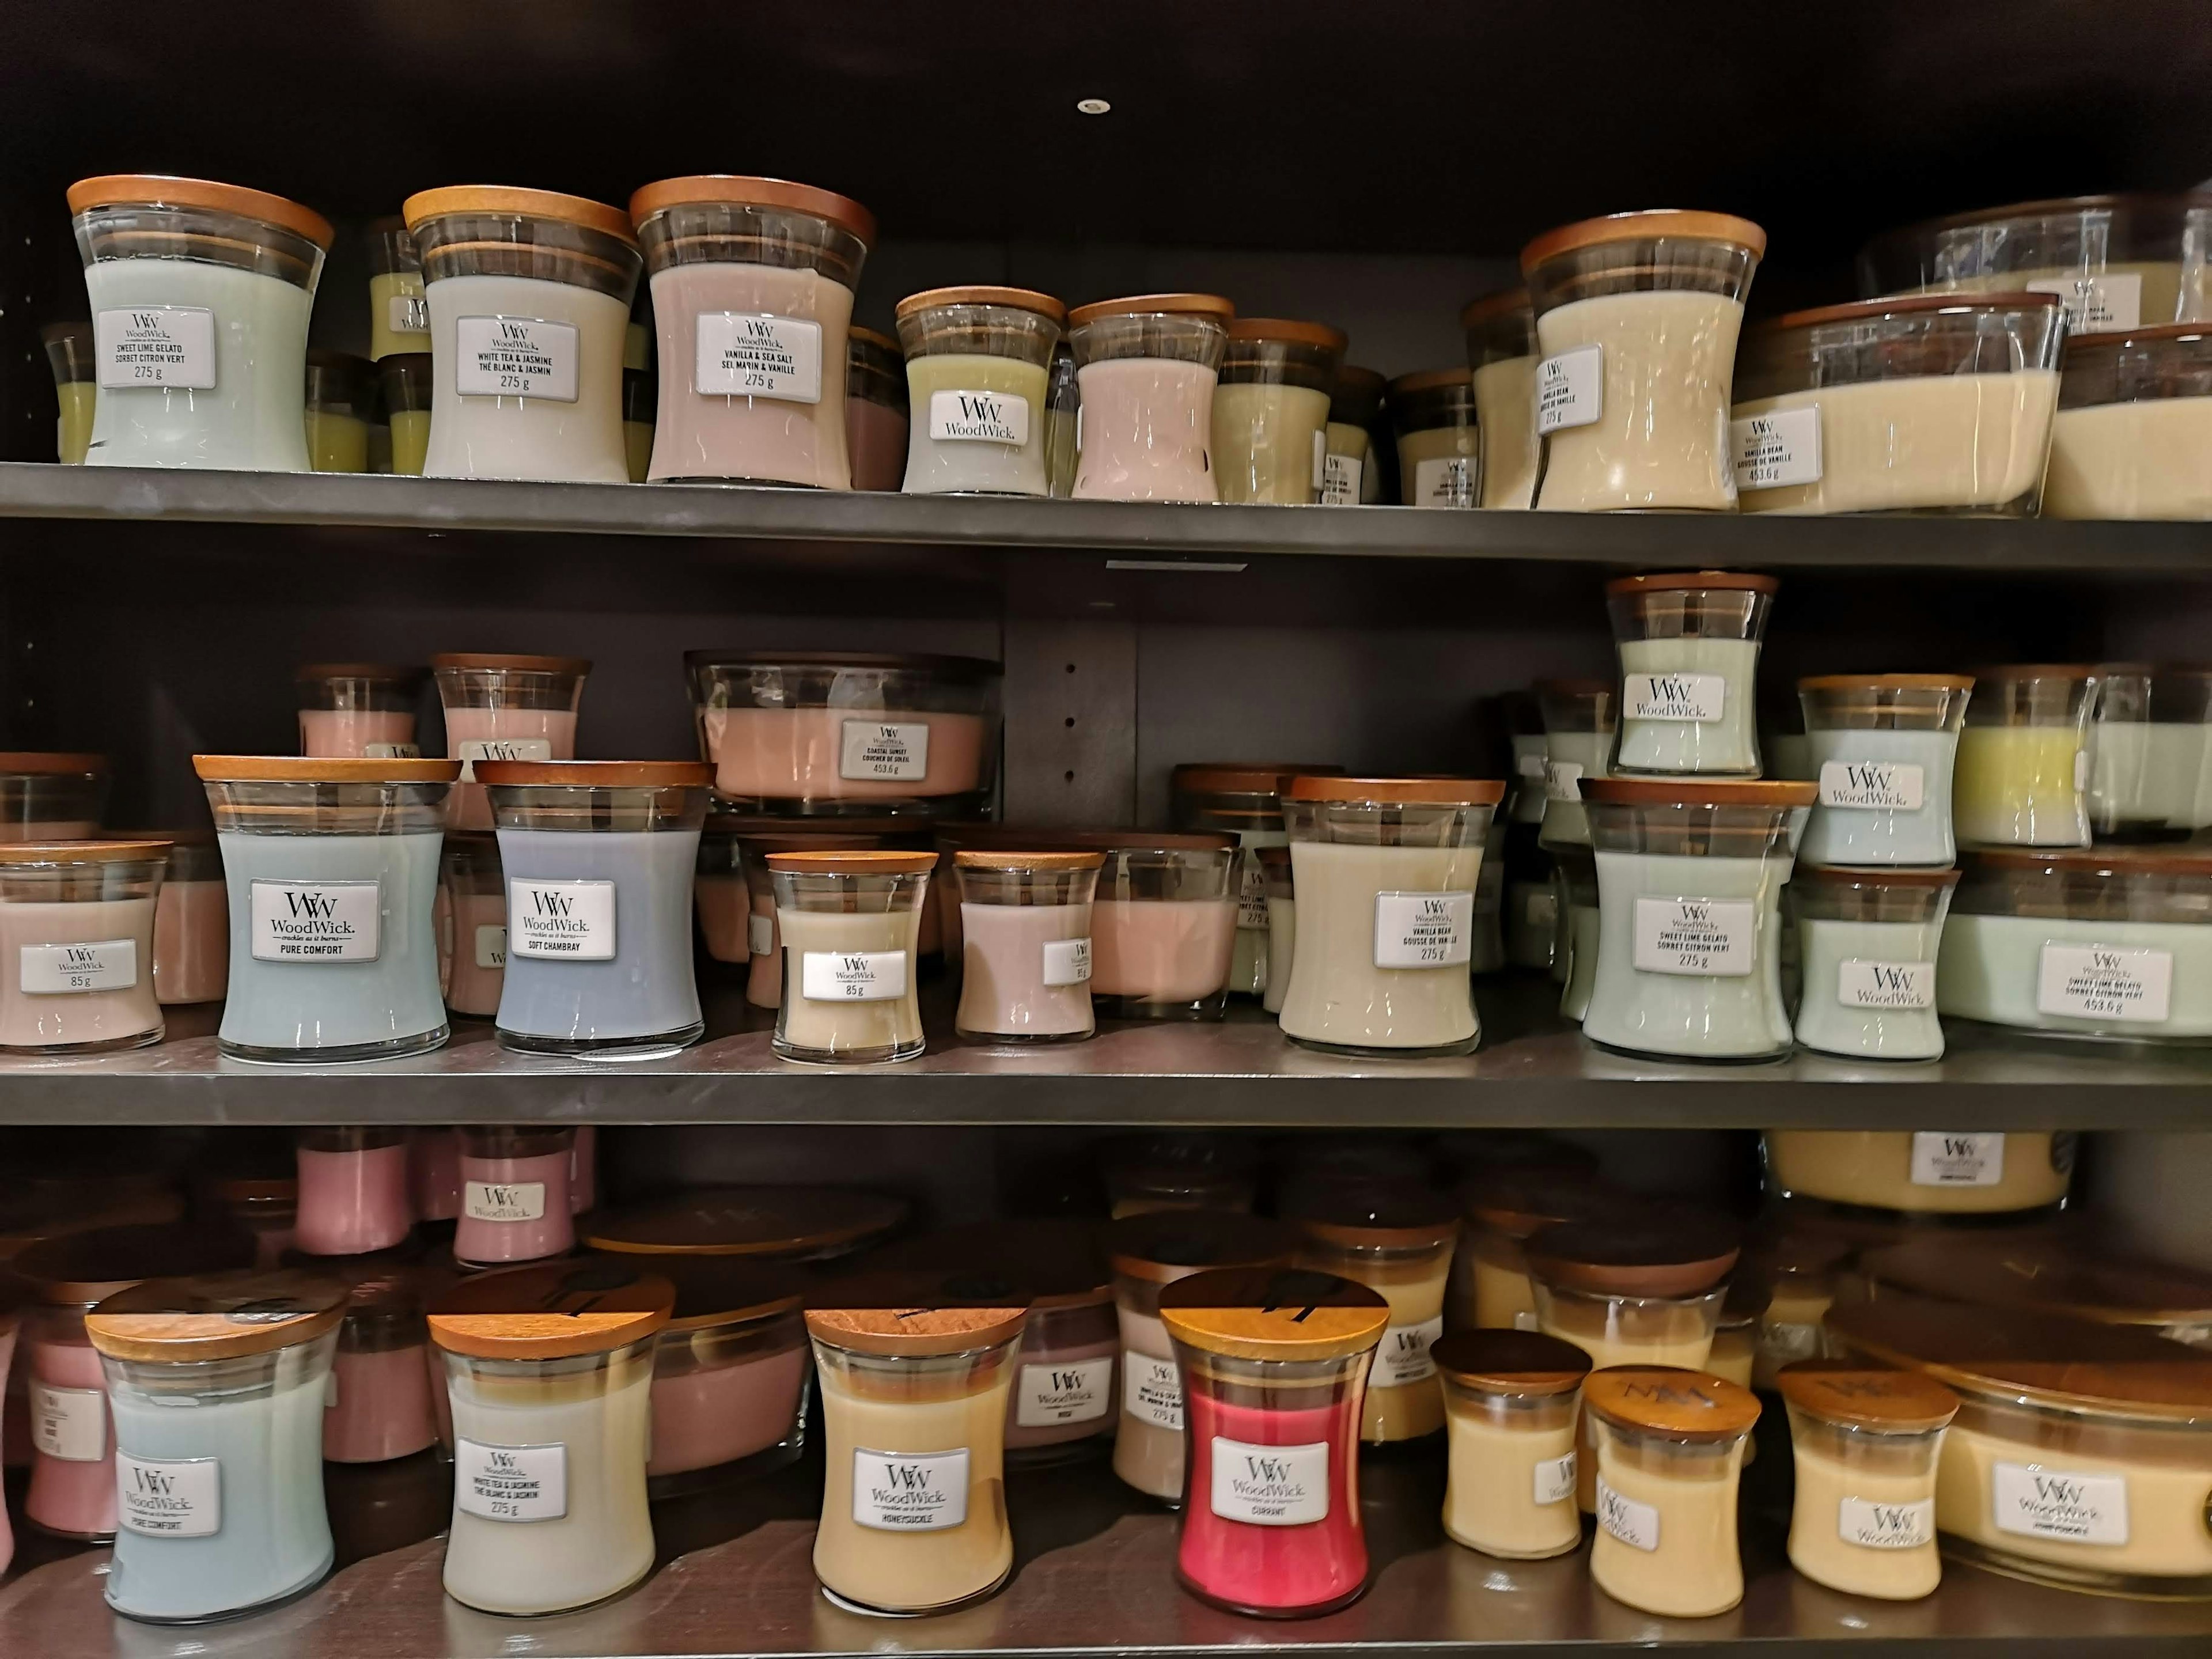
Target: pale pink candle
1147	425
718	1413
192	942
355	733
1167	951
381	1409
107	943
352	1197
724	917
514	1205
1013	982
434	1173
479	969
798	754
72	1489
505	733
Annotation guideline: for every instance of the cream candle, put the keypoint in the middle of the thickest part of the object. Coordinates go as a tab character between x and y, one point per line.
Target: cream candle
398	316
2135	412
77	945
850	924
763	943
1509	1404
1669	1448
1271	410
2023	764
357	710
500	706
1883	748
977	362
1501	347
71	355
1439	445
1163	926
1146	367
1688	645
1025	961
1867	947
2150	738
875	410
1397	1241
729	1372
409	381
1349	466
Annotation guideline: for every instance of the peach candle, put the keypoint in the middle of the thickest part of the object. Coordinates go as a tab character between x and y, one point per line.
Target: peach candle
358	710
503	707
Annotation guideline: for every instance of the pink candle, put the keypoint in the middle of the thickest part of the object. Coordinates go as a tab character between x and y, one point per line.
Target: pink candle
479	934
79	973
353	1190
1147	423
434	1173
876	433
801	754
192	940
716	1412
475	733
358	710
1166	951
355	733
515	1196
379	1406
725	911
72	1489
1025	971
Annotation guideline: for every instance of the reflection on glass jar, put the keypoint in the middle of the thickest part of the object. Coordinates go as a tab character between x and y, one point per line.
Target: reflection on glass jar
1501	347
1688	644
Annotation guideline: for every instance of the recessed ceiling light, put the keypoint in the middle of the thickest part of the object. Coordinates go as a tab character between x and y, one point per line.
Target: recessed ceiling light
1092	106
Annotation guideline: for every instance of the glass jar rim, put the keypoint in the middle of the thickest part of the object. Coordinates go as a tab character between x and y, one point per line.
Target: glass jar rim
745	189
1009	299
1647	224
159	190
513	202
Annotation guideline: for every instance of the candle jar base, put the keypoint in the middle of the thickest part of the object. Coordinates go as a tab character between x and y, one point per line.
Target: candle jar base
552	1613
863	1608
111	1045
881	1054
231	1613
1353	1051
527	1043
1767	1059
1025	1039
1215	1007
1313	1611
38	1526
422	1043
2131	1587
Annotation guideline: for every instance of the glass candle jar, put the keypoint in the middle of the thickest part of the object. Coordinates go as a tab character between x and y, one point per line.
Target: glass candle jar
1866	942
1164	925
200	293
914	1375
1439	444
1063	419
1271	410
398	315
529	295
1350	471
1385	870
379	1406
875	410
409	381
1397	1241
475	886
1690	879
549	1370
71	354
353	1190
1146	369
2049	1270
2150	752
729	1372
262	1201
1921	1171
1025	950
763	942
514	1194
1584	932
1510	1403
1243	800
1735	1352
1637	319
1501	347
50	796
1800	1269
1179	1172
358	710
718	891
1669	1447
332	871
77	945
502	707
1865	1444
1280	885
1881	747
339	403
2135	407
849	925
977	365
1489	1287
752	298
597	856
1917	404
1580	717
1688	645
782	1224
2023	764
1274	1362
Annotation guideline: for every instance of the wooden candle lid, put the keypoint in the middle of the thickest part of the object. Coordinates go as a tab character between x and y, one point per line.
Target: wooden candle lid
916	1313
1651	1255
790	1222
868	861
596	775
1679	1404
308	769
1372	1216
214	1315
1510	1362
551	1309
1885	1401
161	189
1273	1313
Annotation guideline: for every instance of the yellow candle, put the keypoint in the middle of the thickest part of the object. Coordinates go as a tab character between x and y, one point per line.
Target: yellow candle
2020	786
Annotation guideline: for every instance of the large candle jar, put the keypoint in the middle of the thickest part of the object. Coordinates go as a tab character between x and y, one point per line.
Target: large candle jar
1397	1241
1491	1288
875	410
358	710
1688	645
763	942
779	1224
640	403
1582	931
379	1405
2046	1270
529	293
1147	368
1799	1268
1923	1171
752	296
597	856
1501	347
1271	410
1349	465
729	1372
1637	319
977	362
353	1190
1509	1401
1439	444
1881	747
1386	871
1164	925
500	707
1274	1362
475	921
1179	1172
50	796
200	293
1865	1442
914	1373
550	1370
1279	884
1866	942
1026	950
2150	752
2135	410
77	945
70	354
1579	721
850	928
1149	1252
340	398
332	871
514	1194
1690	878
409	382
1243	800
2023	766
398	315
1670	1448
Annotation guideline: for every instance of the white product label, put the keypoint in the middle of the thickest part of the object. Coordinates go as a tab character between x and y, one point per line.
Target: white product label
491	946
1320	457
1067	962
895	1491
170	346
1151	1392
560	921
1872	785
852	976
315	920
1252	895
1780	448
514	358
2096	305
1340	480
1635	1524
511	1483
2097	981
2039	1501
1048	1395
1424	930
1885	984
874	751
181	1498
1885	1526
1570	389
979	417
501	748
746	355
69	1424
52	971
1709	937
407	313
1674	696
391	751
1444	481
760	935
503	1201
1563	780
1403	1356
1270	1485
1941	1158
1555	1480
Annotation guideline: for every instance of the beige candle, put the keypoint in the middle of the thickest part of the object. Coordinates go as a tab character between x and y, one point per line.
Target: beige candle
1669	1448
1866	1442
1492	1287
849	925
1397	1241
1929	1171
1510	1401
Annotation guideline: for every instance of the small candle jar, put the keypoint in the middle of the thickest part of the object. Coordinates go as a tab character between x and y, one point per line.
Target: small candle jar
1179	1172
763	943
1026	950
200	293
358	710
1865	1444
353	1190
849	925
515	1196
332	871
1690	878
1510	1403
875	410
1501	347
1688	645
500	707
729	1372
1636	318
2023	765
1669	1451
752	297
1491	1288
1580	717
2150	752
597	856
338	401
50	796
1147	367
1163	926
978	362
1439	443
1397	1241
1934	1172
779	1224
529	295
263	1202
1881	747
380	1403
71	355
77	945
1584	932
408	380
1271	410
1148	1252
1385	870
1274	1362
549	1370
1244	801
433	1174
1063	405
914	1374
1866	942
474	921
1280	885
2135	409
1350	468
398	315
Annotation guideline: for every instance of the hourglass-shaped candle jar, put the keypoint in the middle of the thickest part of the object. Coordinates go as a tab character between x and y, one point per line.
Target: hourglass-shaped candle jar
850	926
1688	645
977	361
1147	367
358	710
1026	929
